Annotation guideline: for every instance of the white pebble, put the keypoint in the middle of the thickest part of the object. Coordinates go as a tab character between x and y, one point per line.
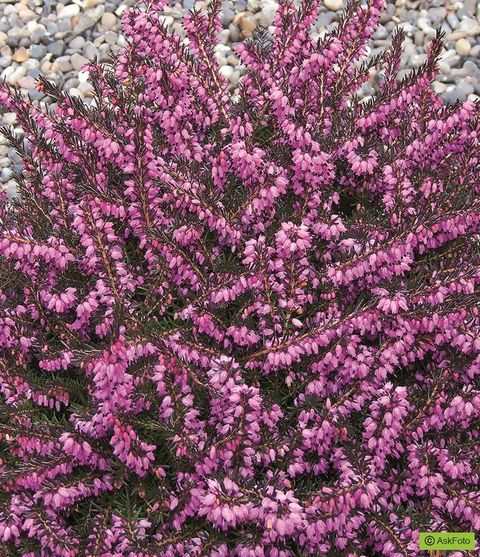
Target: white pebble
69	11
334	5
226	71
109	20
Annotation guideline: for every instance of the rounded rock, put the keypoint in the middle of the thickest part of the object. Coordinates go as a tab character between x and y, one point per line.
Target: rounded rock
226	71
57	48
63	64
68	11
109	20
20	55
38	51
463	47
77	43
334	5
27	82
78	61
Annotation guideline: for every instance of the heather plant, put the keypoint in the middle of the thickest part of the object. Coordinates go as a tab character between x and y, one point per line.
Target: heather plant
241	326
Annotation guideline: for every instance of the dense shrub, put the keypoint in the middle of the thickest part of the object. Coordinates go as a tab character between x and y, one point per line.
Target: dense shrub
241	326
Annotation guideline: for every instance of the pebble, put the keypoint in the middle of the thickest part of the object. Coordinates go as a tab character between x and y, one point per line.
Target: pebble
38	51
63	64
470	27
334	5
68	11
419	38
77	43
453	20
85	22
78	61
226	15
109	20
463	47
246	22
20	55
12	74
27	82
437	15
226	71
57	48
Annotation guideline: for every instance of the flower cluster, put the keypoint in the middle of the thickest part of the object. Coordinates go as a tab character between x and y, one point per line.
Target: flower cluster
241	325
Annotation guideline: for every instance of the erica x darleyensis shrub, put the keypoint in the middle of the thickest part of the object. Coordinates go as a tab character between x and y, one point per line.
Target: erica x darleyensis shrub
241	327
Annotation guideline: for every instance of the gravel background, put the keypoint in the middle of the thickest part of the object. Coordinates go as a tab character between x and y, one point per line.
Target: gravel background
55	38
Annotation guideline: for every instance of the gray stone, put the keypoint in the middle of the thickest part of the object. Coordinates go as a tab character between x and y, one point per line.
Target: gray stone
470	26
91	51
38	51
408	28
387	13
437	15
224	36
469	69
85	22
226	15
77	43
439	88
34	72
12	41
38	34
419	38
111	37
5	61
470	6
453	21
418	59
86	89
57	48
64	26
35	94
63	64
475	52
12	74
380	33
443	67
324	20
453	96
234	33
31	64
52	28
5	174
424	25
465	88
411	16
71	83
78	61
